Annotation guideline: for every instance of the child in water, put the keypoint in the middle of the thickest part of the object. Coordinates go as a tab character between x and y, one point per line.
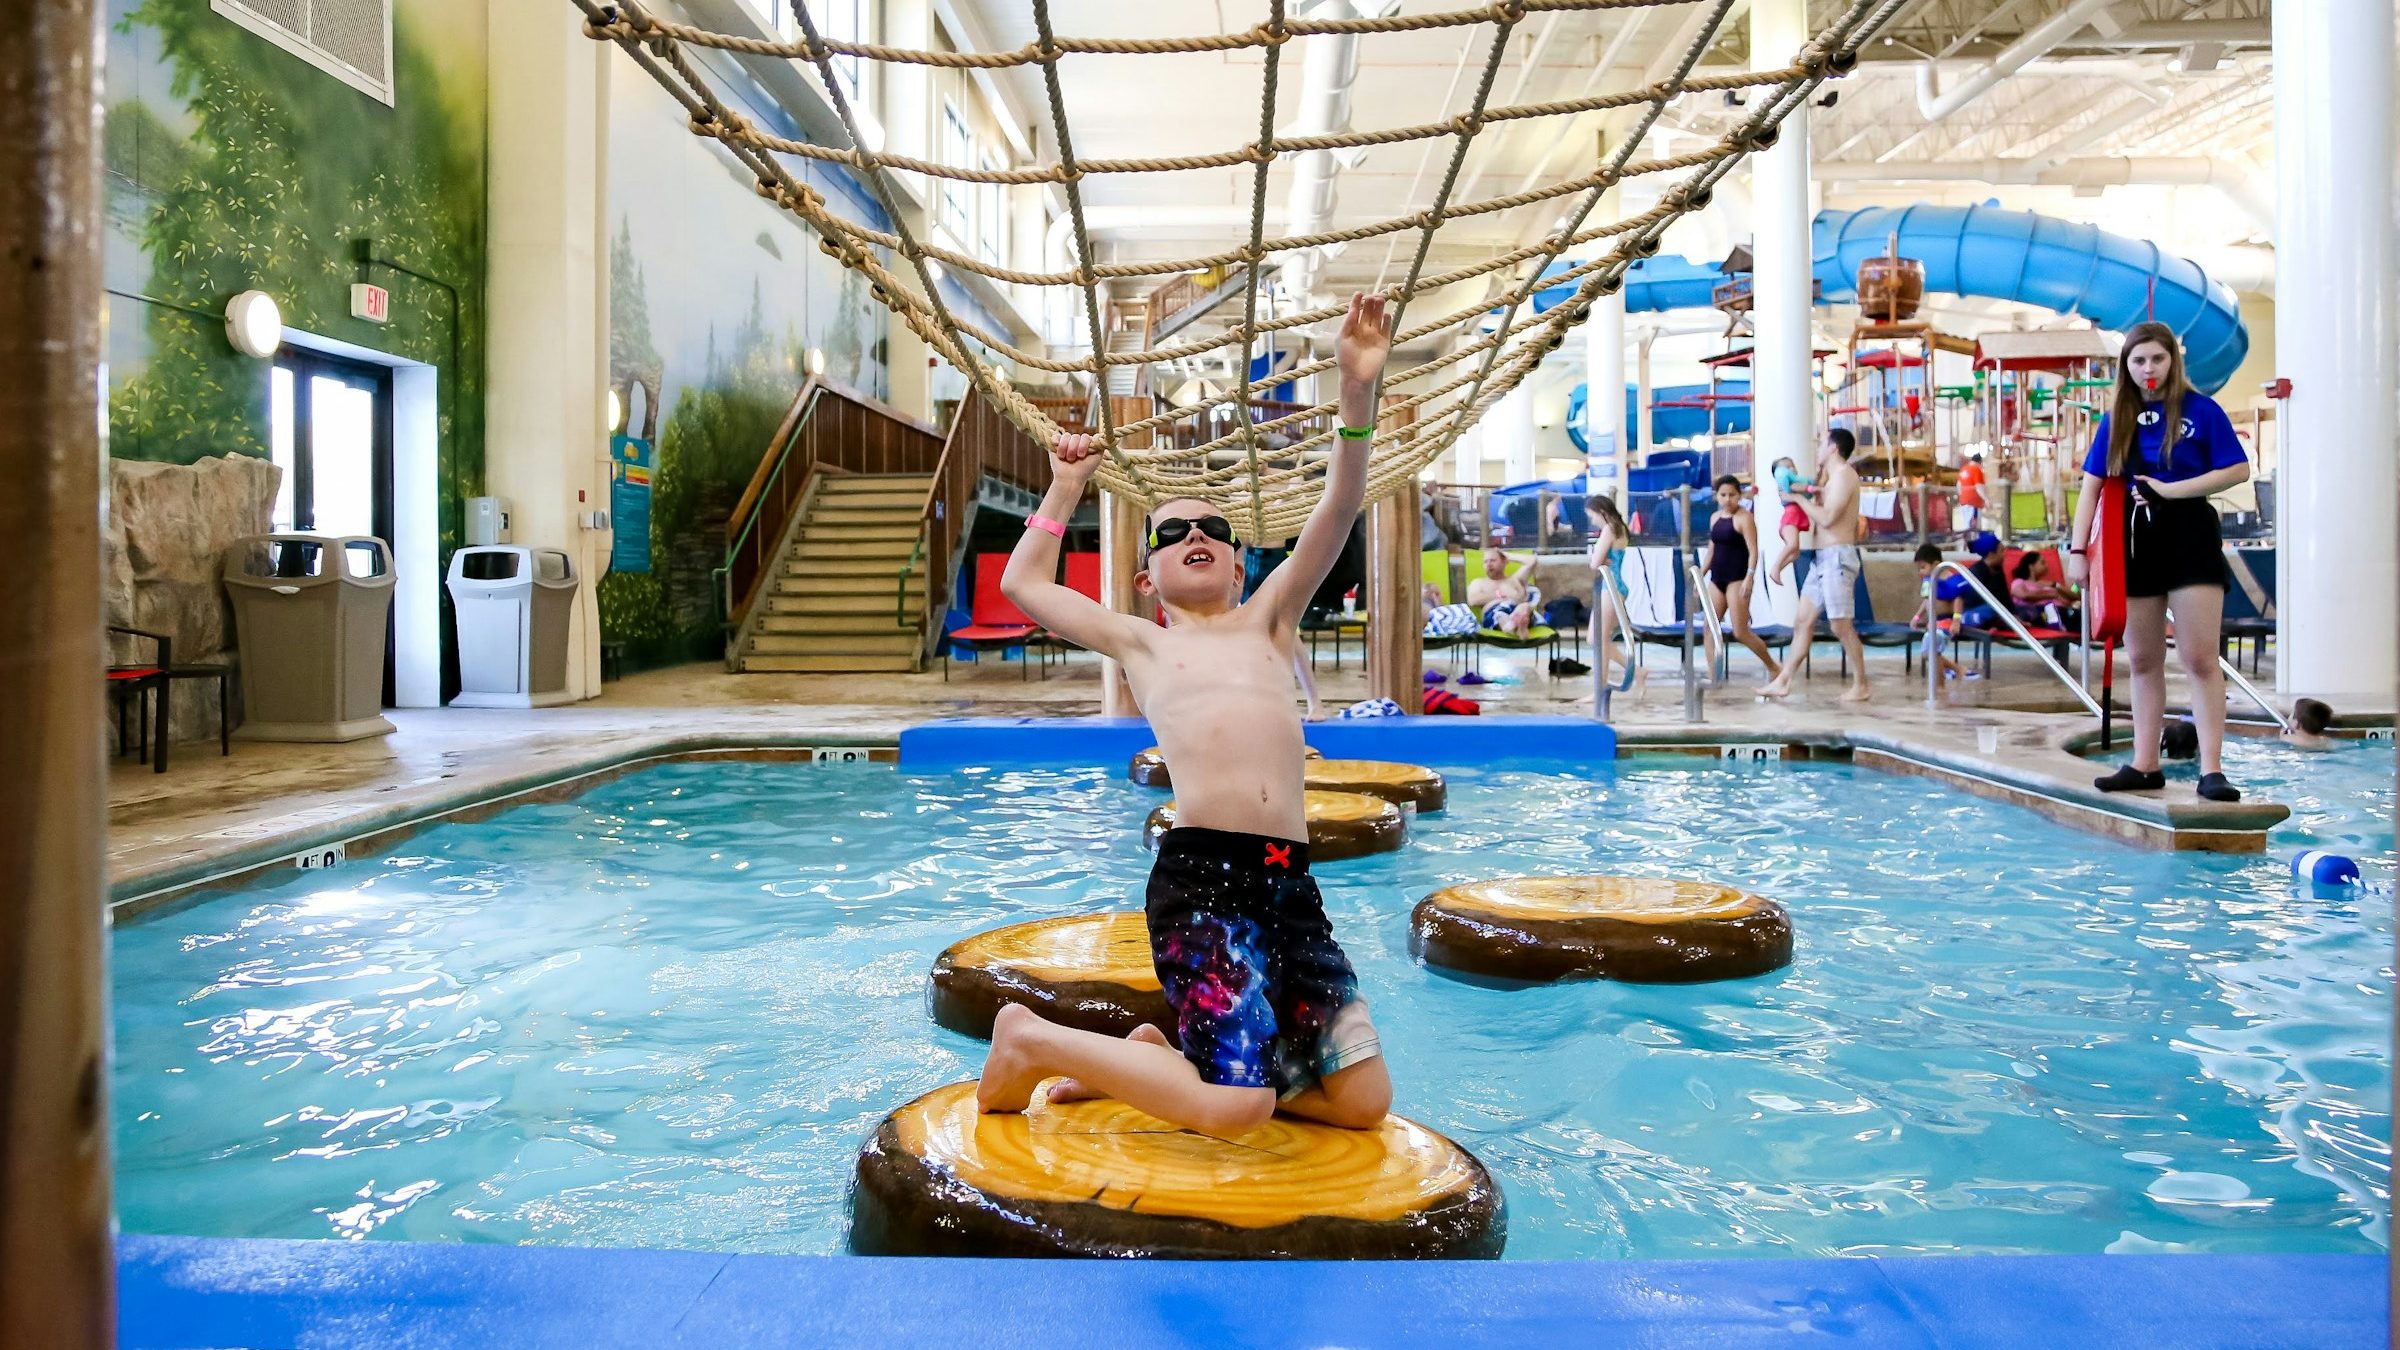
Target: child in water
1266	1005
1789	485
2310	717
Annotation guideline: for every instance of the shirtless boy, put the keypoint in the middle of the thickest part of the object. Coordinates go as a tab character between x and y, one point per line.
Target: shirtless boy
1267	1008
1832	585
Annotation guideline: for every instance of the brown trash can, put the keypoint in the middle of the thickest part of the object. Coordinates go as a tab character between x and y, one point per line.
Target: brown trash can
312	615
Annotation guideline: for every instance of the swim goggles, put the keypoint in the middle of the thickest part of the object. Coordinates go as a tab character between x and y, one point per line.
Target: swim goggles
1164	533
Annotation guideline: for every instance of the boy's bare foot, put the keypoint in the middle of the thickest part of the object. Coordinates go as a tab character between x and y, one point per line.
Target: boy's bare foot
1068	1090
1856	693
1010	1072
1779	687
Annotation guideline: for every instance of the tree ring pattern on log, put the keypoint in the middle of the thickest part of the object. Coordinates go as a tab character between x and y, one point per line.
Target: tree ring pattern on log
1340	825
1408	784
1089	971
1637	929
1149	768
1098	1178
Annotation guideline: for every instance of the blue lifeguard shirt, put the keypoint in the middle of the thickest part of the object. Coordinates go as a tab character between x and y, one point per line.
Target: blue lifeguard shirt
2204	443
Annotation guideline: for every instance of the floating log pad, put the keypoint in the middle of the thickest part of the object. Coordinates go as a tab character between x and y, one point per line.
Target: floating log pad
1149	768
1098	1178
1408	784
1612	928
1090	971
1340	825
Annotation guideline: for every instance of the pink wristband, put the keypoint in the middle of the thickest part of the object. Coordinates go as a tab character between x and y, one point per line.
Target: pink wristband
1046	523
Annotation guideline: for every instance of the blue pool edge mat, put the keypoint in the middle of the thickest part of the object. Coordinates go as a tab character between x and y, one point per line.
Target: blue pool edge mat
182	1291
1112	742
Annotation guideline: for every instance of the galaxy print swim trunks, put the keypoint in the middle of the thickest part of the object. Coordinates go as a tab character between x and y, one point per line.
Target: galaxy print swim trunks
1262	994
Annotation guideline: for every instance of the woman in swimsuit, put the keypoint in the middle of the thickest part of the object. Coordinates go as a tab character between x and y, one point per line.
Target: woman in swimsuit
1732	564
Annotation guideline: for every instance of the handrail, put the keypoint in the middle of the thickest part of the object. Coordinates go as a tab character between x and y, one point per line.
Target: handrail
2234	673
1602	690
1933	667
1714	628
770	469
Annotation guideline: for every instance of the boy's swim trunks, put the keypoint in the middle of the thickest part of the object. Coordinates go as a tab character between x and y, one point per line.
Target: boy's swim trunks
1263	995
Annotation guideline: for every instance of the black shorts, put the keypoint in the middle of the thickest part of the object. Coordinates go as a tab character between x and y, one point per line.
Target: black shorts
2173	544
1262	994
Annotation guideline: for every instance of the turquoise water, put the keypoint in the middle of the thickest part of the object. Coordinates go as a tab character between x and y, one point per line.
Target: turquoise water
665	1014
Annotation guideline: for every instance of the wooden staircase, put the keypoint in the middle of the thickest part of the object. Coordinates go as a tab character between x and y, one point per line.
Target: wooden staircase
836	602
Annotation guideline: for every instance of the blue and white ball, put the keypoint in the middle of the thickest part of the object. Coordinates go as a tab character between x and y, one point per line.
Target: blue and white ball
2325	869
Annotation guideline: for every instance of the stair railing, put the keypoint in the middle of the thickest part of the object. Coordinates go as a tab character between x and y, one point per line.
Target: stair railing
981	443
776	487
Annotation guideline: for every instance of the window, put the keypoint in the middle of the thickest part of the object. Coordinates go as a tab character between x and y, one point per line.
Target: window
955	211
991	214
842	19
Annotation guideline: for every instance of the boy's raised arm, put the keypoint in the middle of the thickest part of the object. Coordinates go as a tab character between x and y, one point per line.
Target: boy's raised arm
1029	580
1365	341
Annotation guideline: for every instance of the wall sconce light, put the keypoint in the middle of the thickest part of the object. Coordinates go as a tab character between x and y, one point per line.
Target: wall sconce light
253	324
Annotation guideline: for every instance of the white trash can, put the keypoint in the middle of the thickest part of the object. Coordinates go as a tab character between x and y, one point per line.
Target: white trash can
514	606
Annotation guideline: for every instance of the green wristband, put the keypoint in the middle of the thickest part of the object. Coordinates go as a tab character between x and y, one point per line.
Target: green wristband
1355	433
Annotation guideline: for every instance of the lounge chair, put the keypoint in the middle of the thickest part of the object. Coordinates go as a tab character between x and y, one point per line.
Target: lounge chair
993	624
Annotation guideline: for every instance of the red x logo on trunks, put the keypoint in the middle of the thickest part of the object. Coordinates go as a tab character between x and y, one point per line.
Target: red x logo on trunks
1279	855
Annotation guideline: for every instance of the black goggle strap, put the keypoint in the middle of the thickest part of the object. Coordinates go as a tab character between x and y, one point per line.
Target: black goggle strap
1175	531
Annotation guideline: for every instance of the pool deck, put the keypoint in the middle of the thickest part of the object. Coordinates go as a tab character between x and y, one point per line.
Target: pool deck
211	818
417	1296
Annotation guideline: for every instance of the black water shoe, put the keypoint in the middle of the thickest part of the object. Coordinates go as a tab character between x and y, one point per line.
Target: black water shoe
2213	787
2130	779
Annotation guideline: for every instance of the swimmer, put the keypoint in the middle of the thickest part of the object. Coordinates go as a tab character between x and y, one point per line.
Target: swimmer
1733	565
1266	1005
1790	486
2310	717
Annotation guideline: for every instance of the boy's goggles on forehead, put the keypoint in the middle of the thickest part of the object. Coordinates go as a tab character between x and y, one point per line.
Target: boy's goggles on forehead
1174	531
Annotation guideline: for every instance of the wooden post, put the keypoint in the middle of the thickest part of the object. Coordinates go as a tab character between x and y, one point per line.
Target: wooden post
1120	557
1395	613
1395	580
57	1274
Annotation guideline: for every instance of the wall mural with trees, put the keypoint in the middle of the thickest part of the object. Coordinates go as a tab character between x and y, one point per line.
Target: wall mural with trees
716	299
231	164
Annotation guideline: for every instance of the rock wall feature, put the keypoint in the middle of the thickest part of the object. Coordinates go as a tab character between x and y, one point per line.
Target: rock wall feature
169	526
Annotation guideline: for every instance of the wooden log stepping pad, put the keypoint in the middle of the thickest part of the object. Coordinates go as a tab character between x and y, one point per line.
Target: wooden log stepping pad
1408	784
1090	971
1098	1178
1637	929
1340	825
1149	768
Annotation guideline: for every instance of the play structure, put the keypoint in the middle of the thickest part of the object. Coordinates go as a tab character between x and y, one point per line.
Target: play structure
2030	393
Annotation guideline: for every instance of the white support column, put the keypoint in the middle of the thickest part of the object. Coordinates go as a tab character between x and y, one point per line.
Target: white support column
1783	411
1643	427
546	377
2335	331
1604	392
1512	427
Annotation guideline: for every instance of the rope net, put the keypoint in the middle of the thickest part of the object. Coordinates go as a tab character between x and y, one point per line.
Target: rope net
1266	473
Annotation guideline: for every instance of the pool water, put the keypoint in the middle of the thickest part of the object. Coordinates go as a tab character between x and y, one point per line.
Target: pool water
666	1013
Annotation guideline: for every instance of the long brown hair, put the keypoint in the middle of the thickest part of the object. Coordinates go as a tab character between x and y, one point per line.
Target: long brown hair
2125	414
1601	506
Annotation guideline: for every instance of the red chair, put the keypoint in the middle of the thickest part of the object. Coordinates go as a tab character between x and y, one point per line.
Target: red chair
993	624
141	684
1083	578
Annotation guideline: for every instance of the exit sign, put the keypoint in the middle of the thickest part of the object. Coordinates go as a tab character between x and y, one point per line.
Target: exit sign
372	303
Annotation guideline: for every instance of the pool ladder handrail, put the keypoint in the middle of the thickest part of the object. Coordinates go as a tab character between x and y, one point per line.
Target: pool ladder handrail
1605	579
1712	640
1933	664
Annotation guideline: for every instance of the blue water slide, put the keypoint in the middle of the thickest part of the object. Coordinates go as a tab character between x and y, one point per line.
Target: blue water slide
2063	265
1667	423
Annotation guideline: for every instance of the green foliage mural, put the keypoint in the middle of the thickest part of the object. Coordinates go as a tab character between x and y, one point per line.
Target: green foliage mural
716	298
282	173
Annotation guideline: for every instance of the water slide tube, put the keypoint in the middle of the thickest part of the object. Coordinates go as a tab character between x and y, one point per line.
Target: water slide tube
2063	265
1669	417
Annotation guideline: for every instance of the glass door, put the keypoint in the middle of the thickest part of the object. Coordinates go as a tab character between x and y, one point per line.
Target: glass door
329	424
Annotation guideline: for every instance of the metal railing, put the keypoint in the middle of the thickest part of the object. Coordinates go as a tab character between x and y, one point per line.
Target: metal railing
1713	629
1606	595
1933	665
